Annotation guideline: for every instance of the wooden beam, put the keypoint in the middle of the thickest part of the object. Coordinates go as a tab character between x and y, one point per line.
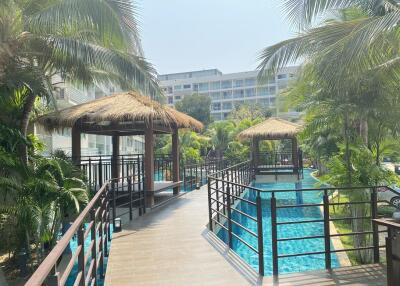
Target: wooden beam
149	165
76	145
255	152
175	159
139	129
115	156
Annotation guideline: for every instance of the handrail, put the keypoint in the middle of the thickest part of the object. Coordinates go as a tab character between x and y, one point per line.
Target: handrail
97	215
221	184
41	273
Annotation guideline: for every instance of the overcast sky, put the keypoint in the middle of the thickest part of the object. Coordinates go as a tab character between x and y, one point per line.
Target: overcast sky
185	35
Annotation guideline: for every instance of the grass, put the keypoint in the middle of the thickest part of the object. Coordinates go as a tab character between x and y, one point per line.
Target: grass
344	226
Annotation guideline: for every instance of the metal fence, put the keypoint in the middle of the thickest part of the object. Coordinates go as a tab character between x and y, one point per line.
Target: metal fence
234	205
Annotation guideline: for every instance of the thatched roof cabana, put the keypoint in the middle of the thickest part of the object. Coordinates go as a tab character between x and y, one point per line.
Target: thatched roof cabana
272	128
124	114
110	113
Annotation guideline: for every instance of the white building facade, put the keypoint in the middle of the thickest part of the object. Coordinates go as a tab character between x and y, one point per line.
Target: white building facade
68	95
228	90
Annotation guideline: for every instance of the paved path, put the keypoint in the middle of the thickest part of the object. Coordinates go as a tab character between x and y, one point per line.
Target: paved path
171	246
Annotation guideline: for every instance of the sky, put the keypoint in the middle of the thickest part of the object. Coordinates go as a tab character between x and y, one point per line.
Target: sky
186	35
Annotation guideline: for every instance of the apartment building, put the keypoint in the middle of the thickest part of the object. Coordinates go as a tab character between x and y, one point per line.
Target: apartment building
228	90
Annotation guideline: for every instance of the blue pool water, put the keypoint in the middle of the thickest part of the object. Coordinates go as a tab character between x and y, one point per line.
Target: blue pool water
73	245
290	264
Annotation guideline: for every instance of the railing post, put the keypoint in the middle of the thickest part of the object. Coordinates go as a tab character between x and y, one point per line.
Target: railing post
114	200
260	235
101	233
210	226
223	191
100	172
106	229
81	255
54	278
229	214
94	248
217	197
374	215
130	197
274	235
327	232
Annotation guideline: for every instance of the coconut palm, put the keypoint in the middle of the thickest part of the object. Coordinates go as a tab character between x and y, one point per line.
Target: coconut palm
359	38
40	39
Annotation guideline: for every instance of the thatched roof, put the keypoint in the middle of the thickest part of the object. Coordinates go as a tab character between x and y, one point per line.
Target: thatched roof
272	128
118	109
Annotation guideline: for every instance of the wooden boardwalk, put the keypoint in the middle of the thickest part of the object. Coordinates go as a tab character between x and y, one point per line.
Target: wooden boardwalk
171	246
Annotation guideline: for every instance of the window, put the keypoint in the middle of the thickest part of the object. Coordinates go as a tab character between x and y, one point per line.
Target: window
250	92
215	95
62	93
187	86
226	84
282	85
178	97
216	116
272	101
262	91
226	114
282	76
169	89
227	105
195	87
216	106
238	83
170	100
238	93
215	85
177	87
227	94
250	81
263	102
203	86
272	90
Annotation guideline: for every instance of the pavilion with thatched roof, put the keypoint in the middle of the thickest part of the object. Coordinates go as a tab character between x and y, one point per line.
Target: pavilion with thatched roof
124	114
274	129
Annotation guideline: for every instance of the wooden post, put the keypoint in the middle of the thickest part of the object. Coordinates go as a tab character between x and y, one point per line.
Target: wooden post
149	164
175	159
255	153
115	156
76	145
295	157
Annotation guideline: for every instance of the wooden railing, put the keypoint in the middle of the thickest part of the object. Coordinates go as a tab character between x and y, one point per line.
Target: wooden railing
93	224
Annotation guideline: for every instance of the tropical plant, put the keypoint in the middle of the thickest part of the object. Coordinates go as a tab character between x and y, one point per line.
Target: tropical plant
42	40
197	106
36	199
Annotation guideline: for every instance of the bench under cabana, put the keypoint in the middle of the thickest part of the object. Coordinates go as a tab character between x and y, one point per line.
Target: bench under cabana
125	114
274	162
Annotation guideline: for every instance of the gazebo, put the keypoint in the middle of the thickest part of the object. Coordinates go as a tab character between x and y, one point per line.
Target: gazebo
274	129
124	114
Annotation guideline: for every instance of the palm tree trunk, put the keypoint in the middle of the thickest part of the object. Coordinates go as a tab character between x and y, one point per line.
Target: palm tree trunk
26	112
364	130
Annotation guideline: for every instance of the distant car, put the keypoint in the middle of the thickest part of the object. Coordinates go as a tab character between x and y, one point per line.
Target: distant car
387	159
386	194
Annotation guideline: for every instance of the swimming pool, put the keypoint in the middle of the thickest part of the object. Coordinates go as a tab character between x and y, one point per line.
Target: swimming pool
73	246
289	264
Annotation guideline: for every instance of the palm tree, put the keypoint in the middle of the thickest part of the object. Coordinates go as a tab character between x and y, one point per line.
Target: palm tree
43	38
362	35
